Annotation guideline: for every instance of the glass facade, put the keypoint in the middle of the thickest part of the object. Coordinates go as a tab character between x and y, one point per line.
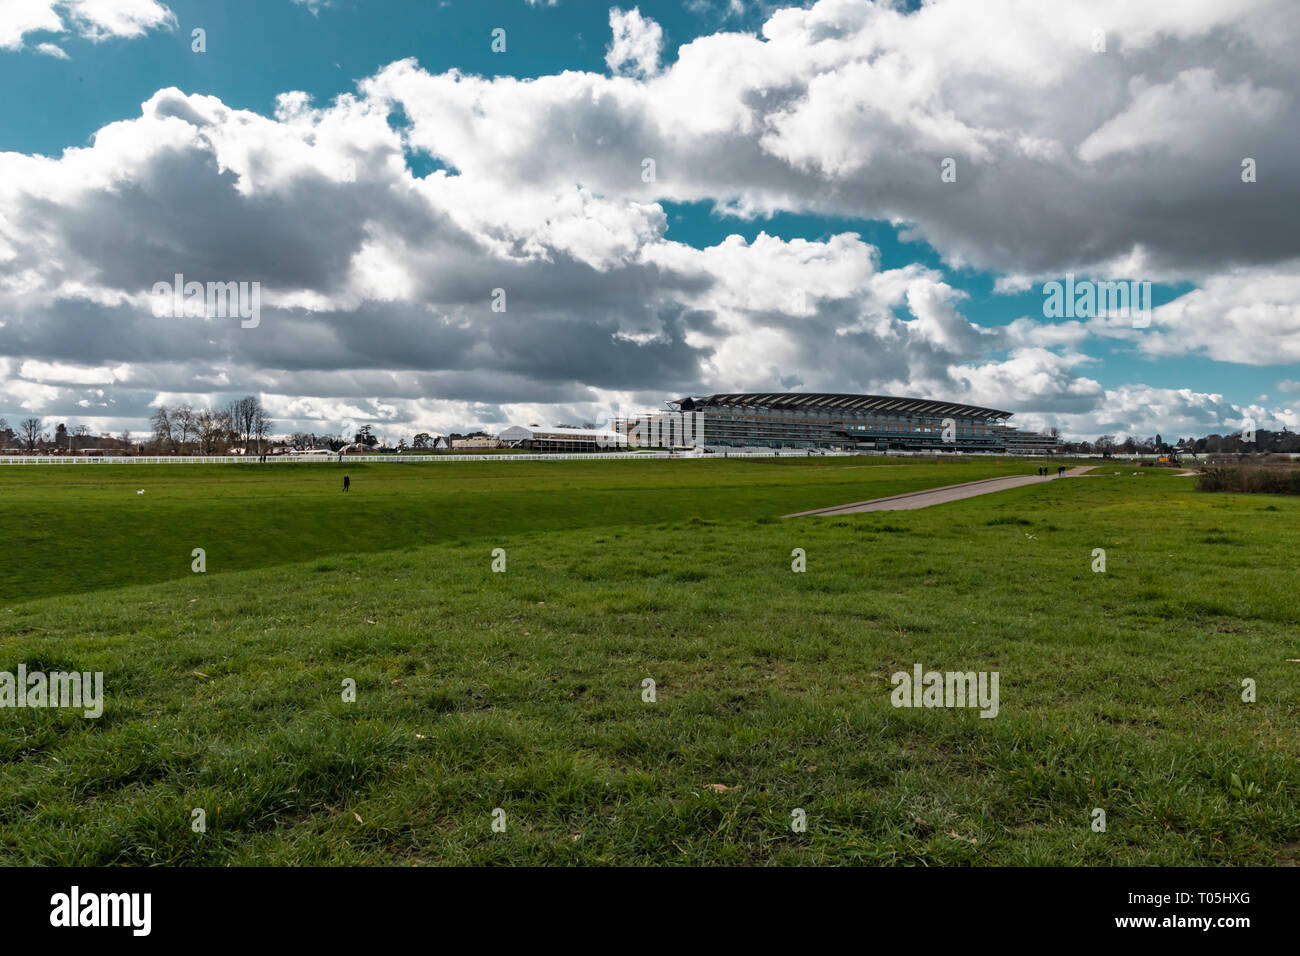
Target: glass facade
833	421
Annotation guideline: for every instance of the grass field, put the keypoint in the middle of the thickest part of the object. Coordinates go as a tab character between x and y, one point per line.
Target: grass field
522	690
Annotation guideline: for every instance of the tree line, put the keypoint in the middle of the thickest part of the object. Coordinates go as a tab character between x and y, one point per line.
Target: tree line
1262	441
182	429
175	430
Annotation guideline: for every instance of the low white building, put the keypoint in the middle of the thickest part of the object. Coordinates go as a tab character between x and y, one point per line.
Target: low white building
556	438
476	441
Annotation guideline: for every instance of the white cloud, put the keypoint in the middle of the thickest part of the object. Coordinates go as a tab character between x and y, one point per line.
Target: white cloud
1170	117
848	108
92	19
104	19
634	50
1249	316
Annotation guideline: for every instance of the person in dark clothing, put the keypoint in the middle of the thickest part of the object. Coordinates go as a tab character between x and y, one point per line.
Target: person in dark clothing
347	482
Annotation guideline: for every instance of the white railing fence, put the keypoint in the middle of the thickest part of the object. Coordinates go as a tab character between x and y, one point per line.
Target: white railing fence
329	459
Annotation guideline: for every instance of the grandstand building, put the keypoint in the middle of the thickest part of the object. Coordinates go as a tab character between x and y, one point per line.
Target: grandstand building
561	439
1020	442
846	422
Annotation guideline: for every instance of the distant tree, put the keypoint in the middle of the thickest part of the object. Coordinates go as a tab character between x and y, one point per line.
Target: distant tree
29	430
401	444
365	436
161	422
261	426
243	416
226	435
61	436
125	439
208	430
422	440
183	423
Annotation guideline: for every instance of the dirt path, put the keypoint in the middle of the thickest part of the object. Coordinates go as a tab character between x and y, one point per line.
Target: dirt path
938	496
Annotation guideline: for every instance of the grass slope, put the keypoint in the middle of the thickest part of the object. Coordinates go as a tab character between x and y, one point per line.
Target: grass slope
522	691
83	527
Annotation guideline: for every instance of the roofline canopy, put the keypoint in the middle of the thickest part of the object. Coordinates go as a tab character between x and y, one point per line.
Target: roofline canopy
839	402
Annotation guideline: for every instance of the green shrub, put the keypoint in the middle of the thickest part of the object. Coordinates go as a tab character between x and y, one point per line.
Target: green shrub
1251	480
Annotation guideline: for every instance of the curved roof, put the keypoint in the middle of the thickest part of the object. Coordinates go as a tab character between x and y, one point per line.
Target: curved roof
828	401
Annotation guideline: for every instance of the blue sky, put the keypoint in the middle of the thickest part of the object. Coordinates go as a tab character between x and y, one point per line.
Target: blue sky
258	50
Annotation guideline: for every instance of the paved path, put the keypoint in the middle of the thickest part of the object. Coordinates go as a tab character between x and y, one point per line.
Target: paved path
938	496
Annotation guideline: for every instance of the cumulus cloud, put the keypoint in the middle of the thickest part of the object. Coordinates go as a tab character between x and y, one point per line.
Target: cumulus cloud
637	41
378	286
1249	316
850	108
93	19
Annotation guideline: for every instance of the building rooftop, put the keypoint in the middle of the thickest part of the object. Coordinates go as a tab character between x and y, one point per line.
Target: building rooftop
833	400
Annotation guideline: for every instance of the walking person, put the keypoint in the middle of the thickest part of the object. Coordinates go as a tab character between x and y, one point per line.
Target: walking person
347	482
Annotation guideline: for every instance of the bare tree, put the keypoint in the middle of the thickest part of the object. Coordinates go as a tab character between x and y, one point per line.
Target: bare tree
206	427
162	428
183	421
261	426
243	419
29	430
212	429
225	430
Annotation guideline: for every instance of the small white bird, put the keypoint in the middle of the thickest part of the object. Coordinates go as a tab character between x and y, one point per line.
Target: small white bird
140	492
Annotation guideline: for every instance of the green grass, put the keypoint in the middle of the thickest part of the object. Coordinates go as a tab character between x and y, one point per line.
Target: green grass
83	527
522	690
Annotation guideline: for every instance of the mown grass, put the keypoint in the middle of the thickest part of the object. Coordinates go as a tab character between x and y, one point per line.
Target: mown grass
523	690
83	527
